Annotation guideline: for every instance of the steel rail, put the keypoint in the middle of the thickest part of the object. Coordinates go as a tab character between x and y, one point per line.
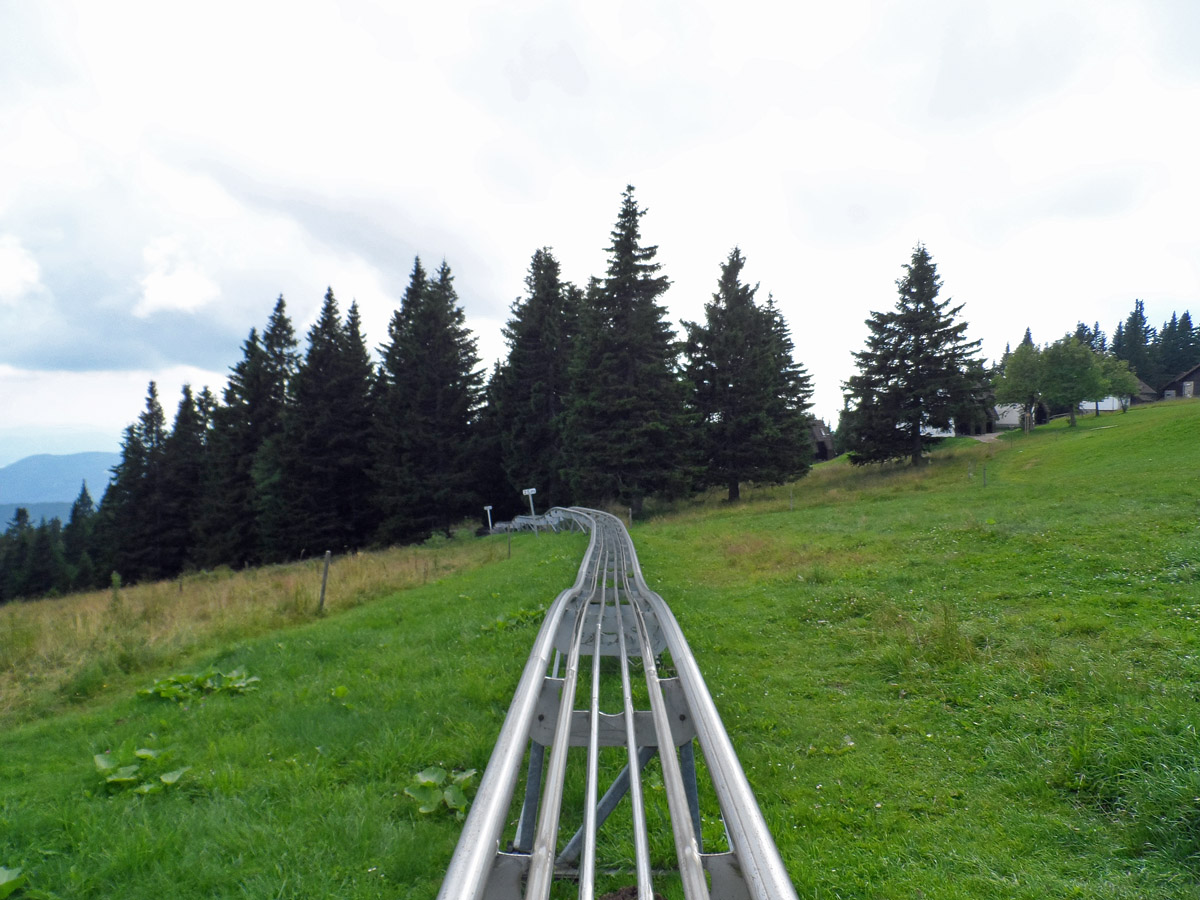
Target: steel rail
641	835
611	605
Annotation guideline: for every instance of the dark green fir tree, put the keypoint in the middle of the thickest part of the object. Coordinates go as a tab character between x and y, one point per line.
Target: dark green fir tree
312	479
749	397
529	393
917	371
182	483
625	419
130	523
429	392
251	414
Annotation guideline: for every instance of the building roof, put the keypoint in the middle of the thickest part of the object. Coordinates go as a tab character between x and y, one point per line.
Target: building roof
1185	375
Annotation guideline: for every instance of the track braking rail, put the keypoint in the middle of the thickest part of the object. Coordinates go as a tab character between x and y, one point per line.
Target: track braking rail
609	611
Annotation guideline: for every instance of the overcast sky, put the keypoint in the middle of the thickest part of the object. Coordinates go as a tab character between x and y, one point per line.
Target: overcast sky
167	170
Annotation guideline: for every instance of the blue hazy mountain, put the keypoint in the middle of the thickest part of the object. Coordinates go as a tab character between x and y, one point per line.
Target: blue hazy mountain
46	478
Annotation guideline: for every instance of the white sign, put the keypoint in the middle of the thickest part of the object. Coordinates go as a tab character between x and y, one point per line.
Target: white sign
529	491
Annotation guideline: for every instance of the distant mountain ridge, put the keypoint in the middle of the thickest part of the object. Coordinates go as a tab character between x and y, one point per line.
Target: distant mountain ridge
47	478
37	512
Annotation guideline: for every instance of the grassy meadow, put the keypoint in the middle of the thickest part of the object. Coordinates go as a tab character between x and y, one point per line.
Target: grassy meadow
973	680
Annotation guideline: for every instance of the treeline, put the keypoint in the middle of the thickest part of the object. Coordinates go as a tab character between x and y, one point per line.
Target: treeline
336	448
1155	355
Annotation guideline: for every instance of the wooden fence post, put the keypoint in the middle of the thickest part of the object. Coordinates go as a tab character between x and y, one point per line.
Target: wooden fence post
324	581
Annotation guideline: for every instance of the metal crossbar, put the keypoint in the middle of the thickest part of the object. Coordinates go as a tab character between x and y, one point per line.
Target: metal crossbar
610	612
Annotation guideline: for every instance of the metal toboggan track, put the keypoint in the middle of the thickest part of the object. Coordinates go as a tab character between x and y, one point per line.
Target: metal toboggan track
610	612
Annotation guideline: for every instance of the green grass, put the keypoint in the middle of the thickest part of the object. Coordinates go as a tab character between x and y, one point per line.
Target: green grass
938	687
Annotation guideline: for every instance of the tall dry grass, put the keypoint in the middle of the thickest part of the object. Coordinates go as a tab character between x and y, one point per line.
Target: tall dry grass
56	651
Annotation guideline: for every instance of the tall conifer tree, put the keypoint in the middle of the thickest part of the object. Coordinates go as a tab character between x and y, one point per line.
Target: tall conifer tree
77	540
132	508
625	419
182	484
429	393
312	477
917	370
531	389
749	396
1134	341
251	414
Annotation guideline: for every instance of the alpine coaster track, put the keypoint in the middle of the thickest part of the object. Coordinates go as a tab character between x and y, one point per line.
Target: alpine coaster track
610	612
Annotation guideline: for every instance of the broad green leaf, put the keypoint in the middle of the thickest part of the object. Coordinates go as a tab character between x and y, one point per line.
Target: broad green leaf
455	798
124	775
429	796
147	753
172	777
432	775
464	778
10	880
105	762
148	787
340	691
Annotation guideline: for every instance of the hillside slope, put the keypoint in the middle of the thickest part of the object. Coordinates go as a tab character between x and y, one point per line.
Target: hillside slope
972	680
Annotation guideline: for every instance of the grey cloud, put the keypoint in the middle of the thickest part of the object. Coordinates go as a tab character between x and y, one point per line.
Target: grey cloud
379	231
1095	195
850	211
1084	195
1176	29
557	65
982	72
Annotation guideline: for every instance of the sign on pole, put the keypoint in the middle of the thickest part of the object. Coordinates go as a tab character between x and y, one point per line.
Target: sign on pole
488	510
529	492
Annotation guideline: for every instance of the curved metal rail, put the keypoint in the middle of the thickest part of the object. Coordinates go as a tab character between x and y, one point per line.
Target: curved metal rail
610	612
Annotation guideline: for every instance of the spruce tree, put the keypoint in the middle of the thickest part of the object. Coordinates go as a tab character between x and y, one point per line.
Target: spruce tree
394	468
493	485
46	568
1189	343
1134	342
749	397
530	391
255	398
227	532
625	418
182	484
429	391
791	403
312	478
352	447
1091	336
77	540
132	508
918	368
1177	347
17	550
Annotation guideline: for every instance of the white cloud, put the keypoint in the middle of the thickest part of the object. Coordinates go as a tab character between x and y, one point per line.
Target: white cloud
173	281
20	275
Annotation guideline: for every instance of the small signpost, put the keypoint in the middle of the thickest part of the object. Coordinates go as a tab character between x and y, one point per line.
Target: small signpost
488	510
529	492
